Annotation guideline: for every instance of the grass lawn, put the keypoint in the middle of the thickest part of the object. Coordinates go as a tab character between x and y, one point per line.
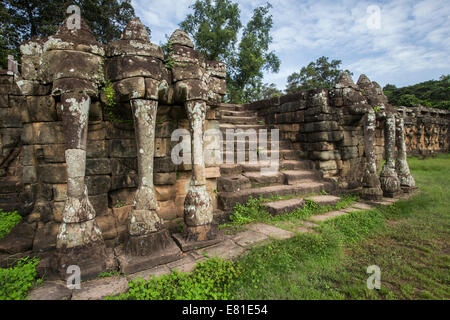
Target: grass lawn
409	241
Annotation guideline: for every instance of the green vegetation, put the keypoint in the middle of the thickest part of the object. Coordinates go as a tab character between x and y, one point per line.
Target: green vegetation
111	106
167	48
254	211
408	241
318	74
16	282
21	20
431	94
7	221
109	274
214	27
211	280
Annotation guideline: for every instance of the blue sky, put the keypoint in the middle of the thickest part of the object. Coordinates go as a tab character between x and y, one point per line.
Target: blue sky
409	43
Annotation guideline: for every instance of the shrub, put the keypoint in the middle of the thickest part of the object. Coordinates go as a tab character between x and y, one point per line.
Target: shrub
211	280
7	221
16	282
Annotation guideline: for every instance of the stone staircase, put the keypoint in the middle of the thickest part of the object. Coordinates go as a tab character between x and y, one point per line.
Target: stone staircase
244	179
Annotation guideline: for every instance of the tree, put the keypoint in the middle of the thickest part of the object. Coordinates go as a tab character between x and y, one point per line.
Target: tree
30	18
253	57
318	74
433	94
271	91
214	26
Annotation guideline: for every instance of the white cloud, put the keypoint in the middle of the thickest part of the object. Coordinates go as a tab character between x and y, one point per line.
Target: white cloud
412	45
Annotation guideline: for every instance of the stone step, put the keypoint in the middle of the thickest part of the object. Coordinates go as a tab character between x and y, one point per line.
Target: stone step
233	183
231	107
283	164
230	169
296	176
224	127
238	113
227	200
284	206
259	155
296	165
256	178
256	144
241	120
324	200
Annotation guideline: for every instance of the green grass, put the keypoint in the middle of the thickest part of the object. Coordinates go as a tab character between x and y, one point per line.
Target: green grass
254	211
7	221
15	282
211	280
408	241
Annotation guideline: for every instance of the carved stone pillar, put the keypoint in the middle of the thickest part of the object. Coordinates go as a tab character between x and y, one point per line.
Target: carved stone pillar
371	183
72	63
192	89
137	72
145	227
198	210
407	182
388	177
79	227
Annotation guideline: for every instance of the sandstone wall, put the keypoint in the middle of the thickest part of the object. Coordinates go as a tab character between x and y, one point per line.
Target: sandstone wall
323	126
32	148
426	130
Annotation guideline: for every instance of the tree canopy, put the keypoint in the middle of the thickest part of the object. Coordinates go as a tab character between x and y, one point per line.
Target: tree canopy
318	74
432	94
214	27
24	19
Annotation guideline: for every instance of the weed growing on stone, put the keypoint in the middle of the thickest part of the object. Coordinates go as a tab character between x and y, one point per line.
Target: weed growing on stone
15	282
407	240
7	221
211	280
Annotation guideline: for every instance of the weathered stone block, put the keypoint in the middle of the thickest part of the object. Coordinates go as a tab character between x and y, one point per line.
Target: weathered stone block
98	167
10	118
98	184
164	178
121	214
53	173
165	130
130	180
97	149
165	193
96	131
107	225
43	133
119	68
42	109
123	166
191	90
162	147
122	197
131	88
134	48
124	148
167	210
60	64
50	153
164	165
218	86
187	72
45	238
